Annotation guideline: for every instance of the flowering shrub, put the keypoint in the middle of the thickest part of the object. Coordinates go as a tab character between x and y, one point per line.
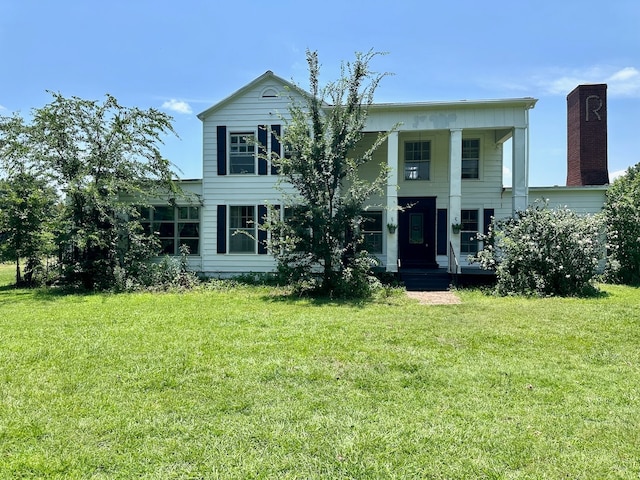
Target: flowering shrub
622	210
544	252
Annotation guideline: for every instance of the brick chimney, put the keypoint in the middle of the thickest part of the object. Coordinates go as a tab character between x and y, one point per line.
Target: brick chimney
587	136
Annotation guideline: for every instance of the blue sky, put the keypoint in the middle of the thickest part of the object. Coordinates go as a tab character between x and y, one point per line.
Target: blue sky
182	57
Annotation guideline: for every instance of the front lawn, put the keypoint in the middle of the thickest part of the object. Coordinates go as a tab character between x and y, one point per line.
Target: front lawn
246	383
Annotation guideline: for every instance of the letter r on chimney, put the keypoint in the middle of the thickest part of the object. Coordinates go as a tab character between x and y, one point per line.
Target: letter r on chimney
595	109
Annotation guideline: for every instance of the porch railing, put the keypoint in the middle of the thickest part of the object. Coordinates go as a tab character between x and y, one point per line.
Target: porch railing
454	266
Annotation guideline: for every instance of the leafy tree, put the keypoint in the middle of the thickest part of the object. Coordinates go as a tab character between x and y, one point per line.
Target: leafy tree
322	218
544	252
27	203
26	212
622	211
99	155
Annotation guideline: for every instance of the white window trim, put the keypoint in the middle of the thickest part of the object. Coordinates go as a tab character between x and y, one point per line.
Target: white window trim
479	177
242	131
269	92
475	232
381	231
176	222
430	161
255	229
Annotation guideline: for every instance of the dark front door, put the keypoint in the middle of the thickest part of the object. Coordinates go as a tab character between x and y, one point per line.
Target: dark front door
417	232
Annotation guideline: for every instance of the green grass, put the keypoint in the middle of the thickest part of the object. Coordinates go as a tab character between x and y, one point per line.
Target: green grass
247	383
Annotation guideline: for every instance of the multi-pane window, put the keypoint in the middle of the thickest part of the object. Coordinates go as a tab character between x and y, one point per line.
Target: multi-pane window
469	232
242	149
372	231
417	160
174	226
189	228
471	158
242	229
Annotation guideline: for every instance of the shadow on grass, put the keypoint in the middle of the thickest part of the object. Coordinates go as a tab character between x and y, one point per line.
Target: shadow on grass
310	297
318	301
11	293
595	294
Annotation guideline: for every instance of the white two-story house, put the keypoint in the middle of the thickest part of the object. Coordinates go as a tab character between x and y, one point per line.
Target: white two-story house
446	161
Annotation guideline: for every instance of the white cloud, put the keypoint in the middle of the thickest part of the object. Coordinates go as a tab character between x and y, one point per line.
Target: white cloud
616	174
177	106
506	176
628	73
625	82
621	82
3	108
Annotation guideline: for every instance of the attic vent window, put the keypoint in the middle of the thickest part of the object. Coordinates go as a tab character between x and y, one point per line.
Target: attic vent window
269	93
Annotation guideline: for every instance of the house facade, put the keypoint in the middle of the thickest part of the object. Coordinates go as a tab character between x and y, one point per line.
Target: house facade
446	162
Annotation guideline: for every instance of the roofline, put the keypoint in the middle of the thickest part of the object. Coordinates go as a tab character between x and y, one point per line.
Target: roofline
573	187
189	180
527	102
567	188
248	86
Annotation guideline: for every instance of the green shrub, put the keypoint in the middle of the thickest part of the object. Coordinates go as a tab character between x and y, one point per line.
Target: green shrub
622	210
544	252
357	279
169	274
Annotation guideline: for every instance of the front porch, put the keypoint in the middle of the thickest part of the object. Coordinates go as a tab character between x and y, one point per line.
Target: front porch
433	184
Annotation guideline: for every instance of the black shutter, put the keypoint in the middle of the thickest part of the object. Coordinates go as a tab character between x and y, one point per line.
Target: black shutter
222	149
275	145
488	213
222	229
262	234
442	232
262	149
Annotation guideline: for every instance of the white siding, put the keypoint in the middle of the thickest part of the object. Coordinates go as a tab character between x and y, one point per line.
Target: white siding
489	115
583	200
243	113
589	199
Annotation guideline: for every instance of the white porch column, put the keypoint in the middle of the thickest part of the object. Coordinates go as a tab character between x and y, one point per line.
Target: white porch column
392	202
455	187
519	167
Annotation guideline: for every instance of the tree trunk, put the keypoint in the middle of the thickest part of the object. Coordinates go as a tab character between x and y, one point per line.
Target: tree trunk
18	277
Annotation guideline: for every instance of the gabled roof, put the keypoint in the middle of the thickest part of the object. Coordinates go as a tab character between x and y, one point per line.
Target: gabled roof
525	102
268	75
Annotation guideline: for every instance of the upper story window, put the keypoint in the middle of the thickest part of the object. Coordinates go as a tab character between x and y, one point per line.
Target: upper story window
471	158
417	160
242	153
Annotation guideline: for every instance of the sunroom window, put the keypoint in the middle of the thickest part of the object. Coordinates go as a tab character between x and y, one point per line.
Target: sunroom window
189	228
174	226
